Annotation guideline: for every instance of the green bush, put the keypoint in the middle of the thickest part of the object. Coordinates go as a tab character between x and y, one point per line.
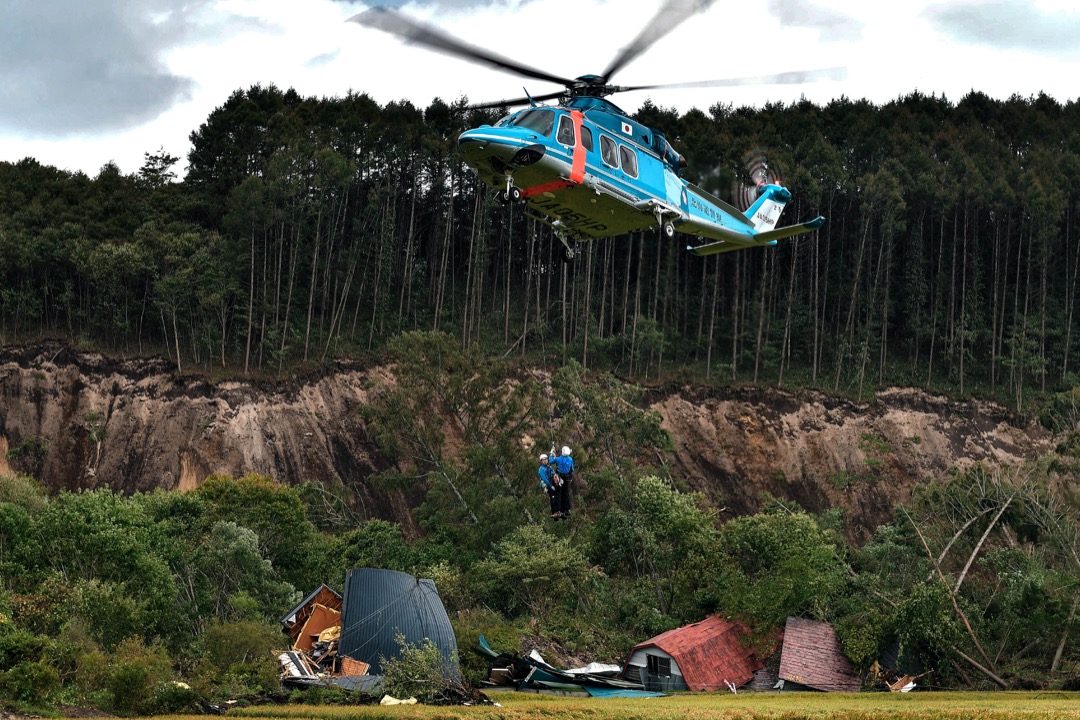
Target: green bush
172	697
229	643
240	660
420	671
136	669
29	682
24	491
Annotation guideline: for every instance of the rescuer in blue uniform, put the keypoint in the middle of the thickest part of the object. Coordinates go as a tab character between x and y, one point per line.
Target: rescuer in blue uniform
564	469
549	483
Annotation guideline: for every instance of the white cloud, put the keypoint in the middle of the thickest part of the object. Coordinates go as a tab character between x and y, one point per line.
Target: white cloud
214	47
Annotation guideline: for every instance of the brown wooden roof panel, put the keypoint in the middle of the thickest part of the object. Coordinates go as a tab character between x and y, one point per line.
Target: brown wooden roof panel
709	653
812	656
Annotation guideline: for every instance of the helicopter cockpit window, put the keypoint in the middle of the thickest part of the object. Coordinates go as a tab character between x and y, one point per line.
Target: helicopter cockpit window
629	160
586	138
609	151
566	130
504	120
540	121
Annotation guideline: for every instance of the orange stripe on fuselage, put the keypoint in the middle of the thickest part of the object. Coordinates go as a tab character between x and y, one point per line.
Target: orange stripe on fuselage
553	186
577	168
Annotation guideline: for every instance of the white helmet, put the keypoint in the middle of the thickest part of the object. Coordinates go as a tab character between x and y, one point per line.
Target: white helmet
543	456
566	450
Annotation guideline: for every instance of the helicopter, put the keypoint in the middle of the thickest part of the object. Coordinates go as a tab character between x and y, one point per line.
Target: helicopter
586	168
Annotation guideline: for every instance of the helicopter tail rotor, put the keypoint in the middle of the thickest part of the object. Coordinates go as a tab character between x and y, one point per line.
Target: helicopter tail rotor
758	172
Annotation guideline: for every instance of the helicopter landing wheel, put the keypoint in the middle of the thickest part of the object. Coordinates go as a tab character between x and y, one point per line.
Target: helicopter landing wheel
667	230
569	253
513	194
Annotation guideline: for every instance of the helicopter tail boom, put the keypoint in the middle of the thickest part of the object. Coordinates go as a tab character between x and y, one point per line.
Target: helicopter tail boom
764	213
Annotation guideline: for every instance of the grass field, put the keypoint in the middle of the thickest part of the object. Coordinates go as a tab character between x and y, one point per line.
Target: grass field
788	706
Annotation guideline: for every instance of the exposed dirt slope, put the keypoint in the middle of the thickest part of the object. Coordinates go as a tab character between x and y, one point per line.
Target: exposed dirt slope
80	420
823	452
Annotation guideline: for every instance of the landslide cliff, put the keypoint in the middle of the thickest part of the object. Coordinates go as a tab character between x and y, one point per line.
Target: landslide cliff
81	420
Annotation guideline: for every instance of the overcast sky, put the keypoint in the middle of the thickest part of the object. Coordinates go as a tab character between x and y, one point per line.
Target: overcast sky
92	81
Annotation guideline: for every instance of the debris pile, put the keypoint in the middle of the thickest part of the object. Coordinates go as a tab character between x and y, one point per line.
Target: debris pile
314	626
342	640
533	673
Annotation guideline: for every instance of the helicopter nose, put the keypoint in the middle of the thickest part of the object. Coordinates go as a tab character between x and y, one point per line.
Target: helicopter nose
481	145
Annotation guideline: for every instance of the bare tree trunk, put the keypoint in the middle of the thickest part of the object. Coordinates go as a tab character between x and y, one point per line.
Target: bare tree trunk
405	299
440	286
529	281
849	331
626	291
875	287
587	309
251	305
735	316
470	266
1070	294
978	546
955	537
605	263
712	317
761	315
884	357
956	607
637	303
785	345
1042	318
506	298
997	299
963	299
294	252
935	304
1064	635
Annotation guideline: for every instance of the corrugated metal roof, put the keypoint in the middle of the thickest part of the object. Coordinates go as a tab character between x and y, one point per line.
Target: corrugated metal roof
709	653
378	604
812	656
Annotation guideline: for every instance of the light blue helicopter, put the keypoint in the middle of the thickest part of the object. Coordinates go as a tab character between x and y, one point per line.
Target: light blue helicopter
590	171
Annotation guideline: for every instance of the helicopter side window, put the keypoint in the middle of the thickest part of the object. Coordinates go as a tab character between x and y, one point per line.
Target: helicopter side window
609	151
629	160
540	121
586	138
566	130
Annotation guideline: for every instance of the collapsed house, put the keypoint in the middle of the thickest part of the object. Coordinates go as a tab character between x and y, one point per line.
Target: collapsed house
313	626
380	605
706	655
813	659
343	639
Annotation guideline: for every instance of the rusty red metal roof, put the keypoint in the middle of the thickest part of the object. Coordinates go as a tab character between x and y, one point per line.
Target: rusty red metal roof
709	653
812	656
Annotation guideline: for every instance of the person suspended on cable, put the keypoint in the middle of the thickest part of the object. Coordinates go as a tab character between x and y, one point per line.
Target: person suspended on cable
549	482
564	470
564	464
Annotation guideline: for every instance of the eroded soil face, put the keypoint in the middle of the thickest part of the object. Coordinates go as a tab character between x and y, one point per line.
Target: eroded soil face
821	452
80	420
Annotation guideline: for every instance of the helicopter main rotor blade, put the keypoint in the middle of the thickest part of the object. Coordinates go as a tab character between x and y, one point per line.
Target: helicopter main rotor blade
414	31
517	101
796	77
667	19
